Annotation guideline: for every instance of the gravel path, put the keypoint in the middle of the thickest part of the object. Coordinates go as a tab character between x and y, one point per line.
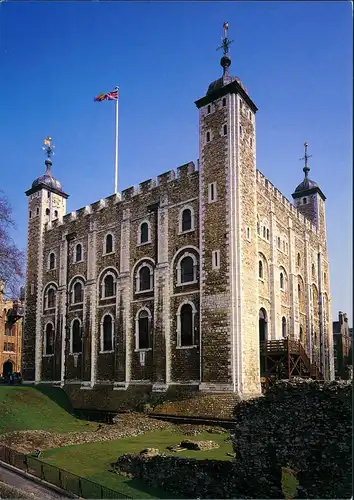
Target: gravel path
26	485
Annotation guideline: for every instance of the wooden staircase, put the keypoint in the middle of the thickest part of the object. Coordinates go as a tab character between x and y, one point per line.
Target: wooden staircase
284	359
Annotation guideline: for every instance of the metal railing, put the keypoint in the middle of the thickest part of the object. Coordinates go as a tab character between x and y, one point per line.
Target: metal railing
80	486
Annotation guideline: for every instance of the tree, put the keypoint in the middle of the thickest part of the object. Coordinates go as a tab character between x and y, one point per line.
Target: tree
11	258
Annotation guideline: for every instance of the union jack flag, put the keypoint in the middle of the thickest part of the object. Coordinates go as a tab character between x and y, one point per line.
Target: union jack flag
110	96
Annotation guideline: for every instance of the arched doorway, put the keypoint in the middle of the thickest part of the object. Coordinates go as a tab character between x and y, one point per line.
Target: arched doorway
7	368
263	335
302	337
263	325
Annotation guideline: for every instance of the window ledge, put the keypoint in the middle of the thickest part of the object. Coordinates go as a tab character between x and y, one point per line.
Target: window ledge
142	244
186	346
51	269
78	261
187	283
108	253
187	231
144	291
10	352
46	309
106	352
261	279
110	297
76	304
48	355
75	353
143	350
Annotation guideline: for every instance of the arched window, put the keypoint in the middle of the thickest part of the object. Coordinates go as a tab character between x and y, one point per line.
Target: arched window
187	270
298	260
47	211
224	101
263	325
109	288
55	213
283	327
260	269
268	234
258	228
52	260
282	281
51	298
324	278
304	201
144	232
299	291
186	220
76	338
187	325
225	129
109	243
78	293
145	279
78	253
264	232
209	108
143	333
49	339
278	242
313	271
107	333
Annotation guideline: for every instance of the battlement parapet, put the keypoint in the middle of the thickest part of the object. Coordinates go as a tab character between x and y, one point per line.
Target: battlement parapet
268	186
128	193
185	170
144	187
166	177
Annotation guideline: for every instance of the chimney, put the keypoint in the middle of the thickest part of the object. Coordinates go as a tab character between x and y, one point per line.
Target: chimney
340	316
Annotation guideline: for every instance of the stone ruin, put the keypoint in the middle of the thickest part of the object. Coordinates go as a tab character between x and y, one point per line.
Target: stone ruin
301	425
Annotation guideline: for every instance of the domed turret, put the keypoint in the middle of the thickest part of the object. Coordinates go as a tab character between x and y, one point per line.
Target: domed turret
47	180
307	185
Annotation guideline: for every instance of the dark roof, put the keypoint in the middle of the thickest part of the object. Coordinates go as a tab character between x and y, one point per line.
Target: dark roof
47	181
305	185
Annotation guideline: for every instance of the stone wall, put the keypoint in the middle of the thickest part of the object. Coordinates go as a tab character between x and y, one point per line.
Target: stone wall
301	426
176	401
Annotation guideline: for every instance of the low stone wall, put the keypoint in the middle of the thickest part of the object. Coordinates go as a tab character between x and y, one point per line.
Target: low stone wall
302	424
176	401
183	477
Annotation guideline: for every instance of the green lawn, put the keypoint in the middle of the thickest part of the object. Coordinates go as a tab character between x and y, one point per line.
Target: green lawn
93	460
37	408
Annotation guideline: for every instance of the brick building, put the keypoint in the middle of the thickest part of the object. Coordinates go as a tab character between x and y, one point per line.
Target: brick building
341	343
10	335
175	282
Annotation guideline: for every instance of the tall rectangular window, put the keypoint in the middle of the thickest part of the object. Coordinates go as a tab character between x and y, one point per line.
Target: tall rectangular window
212	192
216	259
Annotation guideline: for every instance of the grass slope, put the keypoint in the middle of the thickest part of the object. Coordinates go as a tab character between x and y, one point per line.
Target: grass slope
93	460
37	408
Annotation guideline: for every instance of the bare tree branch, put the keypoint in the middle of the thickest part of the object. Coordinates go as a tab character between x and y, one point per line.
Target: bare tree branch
11	258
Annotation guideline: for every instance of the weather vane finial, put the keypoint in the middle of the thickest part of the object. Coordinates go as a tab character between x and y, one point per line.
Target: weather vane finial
48	147
225	41
306	157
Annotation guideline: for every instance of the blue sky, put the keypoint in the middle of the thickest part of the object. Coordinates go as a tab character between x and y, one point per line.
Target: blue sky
293	57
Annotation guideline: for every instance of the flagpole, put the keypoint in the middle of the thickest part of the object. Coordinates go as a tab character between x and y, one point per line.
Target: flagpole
116	157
